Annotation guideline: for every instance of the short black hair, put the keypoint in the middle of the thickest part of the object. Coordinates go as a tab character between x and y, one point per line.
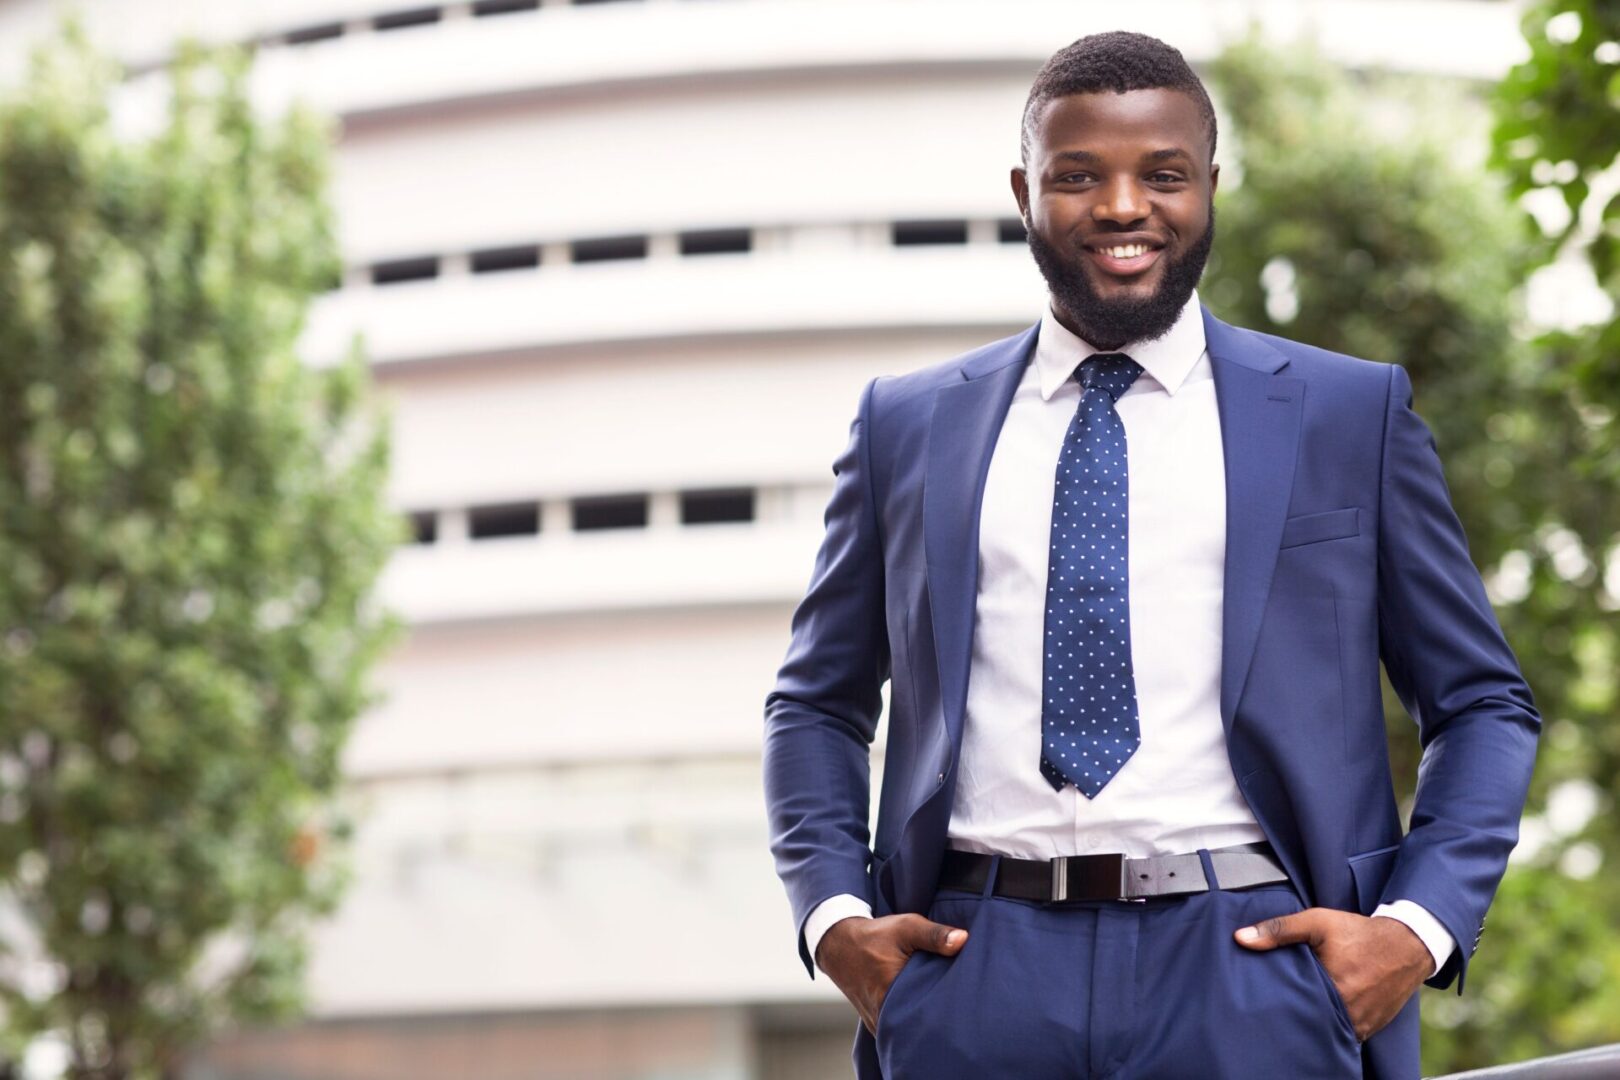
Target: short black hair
1118	60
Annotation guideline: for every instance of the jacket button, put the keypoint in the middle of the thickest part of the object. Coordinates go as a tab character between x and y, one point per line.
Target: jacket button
942	778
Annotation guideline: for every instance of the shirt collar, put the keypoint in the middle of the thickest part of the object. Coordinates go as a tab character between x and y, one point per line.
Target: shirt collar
1168	359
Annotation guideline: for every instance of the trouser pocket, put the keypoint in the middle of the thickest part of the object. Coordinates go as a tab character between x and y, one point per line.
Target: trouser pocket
1335	999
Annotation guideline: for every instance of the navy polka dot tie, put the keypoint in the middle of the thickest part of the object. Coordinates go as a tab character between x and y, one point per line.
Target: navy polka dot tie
1088	702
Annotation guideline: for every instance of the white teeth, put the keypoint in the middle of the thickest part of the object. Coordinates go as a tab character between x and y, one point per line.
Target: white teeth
1129	251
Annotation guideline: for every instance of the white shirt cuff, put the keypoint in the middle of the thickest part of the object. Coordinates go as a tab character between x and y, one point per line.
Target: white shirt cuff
831	910
1435	937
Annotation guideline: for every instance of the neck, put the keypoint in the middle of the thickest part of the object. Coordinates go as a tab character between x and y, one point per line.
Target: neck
1079	329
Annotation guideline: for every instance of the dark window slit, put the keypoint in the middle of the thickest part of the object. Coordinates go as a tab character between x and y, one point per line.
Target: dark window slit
399	270
605	248
506	519
399	20
916	233
716	241
308	35
717	505
610	512
494	260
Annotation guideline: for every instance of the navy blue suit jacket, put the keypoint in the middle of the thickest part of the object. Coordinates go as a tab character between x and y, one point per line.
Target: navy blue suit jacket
1342	550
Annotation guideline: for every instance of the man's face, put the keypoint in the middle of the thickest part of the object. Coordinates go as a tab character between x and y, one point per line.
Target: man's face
1118	197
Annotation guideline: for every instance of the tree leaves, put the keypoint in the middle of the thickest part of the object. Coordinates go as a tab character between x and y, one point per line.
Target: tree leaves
183	646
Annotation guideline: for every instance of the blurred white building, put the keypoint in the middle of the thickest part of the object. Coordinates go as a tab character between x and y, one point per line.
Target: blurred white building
623	269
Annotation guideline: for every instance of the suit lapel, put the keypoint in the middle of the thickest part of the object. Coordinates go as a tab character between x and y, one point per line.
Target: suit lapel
1260	417
962	432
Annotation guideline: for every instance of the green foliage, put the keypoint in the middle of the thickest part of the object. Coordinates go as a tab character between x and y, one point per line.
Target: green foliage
1557	127
191	524
1364	198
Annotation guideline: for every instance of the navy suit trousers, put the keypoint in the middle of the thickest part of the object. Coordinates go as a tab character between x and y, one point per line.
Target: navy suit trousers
1150	990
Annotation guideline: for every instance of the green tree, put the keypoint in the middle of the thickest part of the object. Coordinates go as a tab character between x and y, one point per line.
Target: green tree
191	525
1364	221
1557	135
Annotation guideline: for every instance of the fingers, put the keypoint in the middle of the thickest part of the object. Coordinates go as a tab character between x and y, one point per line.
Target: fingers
910	933
934	937
1300	929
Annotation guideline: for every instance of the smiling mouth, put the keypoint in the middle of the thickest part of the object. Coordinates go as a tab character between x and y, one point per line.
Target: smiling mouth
1124	260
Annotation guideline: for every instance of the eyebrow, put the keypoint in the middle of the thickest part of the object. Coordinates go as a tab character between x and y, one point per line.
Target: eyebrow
1088	158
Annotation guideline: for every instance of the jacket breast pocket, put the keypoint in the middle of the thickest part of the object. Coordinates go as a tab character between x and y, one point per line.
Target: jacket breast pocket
1315	528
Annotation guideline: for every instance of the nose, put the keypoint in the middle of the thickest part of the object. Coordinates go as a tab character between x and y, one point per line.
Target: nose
1121	201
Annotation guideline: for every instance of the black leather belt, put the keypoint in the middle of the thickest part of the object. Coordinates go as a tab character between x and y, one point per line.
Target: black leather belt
1112	877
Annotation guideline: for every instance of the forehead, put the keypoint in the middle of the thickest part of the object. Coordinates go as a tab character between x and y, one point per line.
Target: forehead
1120	123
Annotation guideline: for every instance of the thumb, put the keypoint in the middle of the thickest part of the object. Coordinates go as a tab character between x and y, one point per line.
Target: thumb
1295	929
936	937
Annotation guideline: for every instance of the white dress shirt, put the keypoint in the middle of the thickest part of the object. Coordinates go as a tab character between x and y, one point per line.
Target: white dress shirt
1176	793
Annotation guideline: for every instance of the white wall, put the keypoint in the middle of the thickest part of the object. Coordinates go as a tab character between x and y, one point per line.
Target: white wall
816	148
646	416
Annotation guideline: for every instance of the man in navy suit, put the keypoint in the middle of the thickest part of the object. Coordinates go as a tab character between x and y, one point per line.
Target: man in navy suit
1130	575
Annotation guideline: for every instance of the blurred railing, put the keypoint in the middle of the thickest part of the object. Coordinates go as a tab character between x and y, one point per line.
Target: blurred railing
1598	1063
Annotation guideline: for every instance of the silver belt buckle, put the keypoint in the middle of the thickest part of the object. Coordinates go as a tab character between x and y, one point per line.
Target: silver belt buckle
1099	877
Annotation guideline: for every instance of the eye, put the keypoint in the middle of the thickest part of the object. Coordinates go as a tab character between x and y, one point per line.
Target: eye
1170	178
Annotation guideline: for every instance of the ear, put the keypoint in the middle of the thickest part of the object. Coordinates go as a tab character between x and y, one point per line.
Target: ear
1214	179
1020	187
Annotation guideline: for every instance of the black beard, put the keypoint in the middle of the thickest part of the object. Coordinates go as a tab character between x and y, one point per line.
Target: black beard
1111	324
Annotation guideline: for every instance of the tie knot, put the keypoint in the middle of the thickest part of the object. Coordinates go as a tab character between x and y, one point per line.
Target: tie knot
1112	372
